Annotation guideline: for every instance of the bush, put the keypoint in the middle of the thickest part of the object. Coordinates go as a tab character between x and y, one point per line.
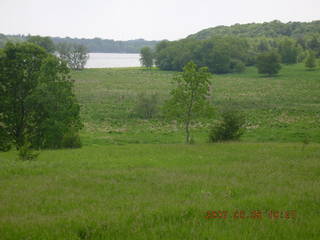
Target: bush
237	66
230	127
311	62
146	106
27	153
269	63
71	139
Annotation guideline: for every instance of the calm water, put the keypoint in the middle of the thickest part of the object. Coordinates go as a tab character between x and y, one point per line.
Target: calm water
109	60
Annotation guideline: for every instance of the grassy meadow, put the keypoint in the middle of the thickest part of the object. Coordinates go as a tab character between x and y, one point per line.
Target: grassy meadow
136	179
285	108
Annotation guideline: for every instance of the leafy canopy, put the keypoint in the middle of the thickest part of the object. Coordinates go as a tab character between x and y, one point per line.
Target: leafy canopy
146	57
75	55
37	103
269	63
311	62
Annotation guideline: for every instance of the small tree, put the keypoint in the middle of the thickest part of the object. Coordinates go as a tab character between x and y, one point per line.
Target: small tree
190	98
146	57
311	62
269	63
76	55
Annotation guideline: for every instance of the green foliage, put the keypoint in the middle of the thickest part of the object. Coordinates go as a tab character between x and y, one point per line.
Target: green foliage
146	57
189	99
71	139
75	55
288	51
146	106
220	47
218	54
37	97
237	66
271	29
313	43
311	62
26	153
45	42
269	63
230	127
5	141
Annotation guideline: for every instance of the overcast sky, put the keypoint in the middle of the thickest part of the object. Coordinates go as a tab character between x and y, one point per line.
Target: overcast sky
148	19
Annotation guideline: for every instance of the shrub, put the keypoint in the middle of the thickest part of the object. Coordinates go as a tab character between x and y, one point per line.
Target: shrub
237	66
71	139
27	153
311	62
269	63
146	106
230	127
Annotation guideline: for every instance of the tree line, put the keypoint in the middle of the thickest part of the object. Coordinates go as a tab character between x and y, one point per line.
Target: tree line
227	54
93	45
271	29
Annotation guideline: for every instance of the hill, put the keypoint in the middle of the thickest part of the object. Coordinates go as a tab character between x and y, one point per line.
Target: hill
266	29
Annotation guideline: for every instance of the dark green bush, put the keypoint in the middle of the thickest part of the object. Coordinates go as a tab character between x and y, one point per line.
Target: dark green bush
27	153
237	66
71	139
146	106
230	127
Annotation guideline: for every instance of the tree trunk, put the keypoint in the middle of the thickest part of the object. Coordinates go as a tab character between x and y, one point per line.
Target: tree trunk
187	132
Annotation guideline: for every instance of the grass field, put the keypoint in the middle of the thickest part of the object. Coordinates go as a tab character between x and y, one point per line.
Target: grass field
141	191
285	108
135	179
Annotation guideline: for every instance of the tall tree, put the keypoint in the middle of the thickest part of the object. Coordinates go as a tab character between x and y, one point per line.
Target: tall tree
189	99
146	57
36	97
269	63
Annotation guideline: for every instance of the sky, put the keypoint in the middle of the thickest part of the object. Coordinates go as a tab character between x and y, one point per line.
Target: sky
148	19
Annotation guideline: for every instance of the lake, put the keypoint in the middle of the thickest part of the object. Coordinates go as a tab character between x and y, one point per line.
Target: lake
113	60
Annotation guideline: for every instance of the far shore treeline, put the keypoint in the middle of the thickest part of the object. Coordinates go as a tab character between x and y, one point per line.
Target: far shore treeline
229	49
94	45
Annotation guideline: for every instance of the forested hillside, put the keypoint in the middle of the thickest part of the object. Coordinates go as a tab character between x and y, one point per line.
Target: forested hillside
267	29
93	45
230	49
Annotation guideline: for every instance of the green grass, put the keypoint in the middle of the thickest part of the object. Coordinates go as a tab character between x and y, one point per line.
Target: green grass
285	108
157	188
141	191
